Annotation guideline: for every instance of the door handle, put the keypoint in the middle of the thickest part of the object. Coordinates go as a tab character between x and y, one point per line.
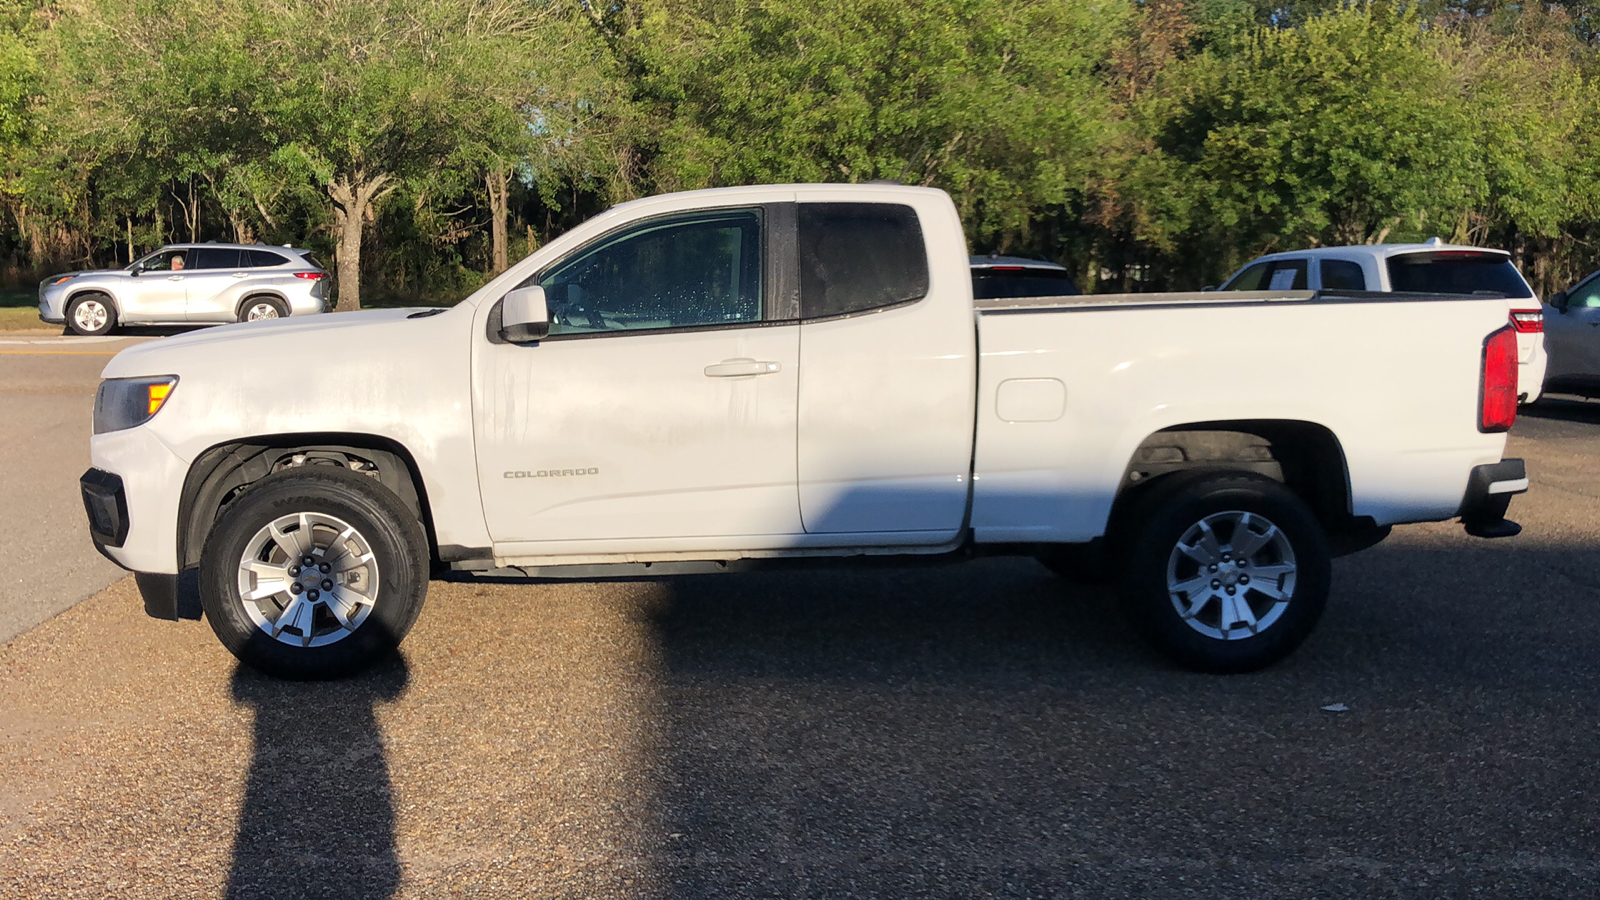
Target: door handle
733	368
241	274
174	277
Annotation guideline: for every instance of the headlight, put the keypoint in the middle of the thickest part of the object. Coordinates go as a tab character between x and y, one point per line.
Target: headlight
126	402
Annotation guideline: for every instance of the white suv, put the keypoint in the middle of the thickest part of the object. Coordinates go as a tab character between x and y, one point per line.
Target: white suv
1430	268
187	284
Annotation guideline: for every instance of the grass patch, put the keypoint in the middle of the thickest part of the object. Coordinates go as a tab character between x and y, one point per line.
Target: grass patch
16	318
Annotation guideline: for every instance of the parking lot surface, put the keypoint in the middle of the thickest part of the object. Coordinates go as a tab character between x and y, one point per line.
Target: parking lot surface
979	729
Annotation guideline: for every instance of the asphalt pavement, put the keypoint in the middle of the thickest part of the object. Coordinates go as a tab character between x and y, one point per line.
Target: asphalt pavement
47	385
972	730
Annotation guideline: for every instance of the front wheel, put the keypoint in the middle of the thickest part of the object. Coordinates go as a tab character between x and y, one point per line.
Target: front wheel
1229	573
316	572
91	314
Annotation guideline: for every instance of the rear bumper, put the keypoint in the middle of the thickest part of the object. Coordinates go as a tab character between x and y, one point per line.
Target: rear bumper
1489	492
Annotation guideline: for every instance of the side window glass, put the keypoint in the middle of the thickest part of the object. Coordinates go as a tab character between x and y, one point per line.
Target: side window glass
685	271
1250	279
259	258
1287	275
1342	275
212	258
859	256
1585	296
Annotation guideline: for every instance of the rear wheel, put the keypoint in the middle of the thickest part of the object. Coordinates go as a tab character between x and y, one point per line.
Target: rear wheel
91	314
316	572
257	308
1228	574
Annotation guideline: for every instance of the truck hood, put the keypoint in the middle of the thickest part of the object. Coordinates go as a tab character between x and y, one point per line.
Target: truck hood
276	340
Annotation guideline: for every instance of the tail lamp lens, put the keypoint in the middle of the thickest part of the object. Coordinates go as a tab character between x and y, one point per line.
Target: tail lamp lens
310	276
1528	322
1497	407
126	402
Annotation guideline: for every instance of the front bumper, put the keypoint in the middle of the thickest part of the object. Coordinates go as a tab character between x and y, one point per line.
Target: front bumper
1489	492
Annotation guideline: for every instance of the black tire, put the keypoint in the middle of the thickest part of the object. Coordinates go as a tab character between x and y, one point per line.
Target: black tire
1289	604
90	301
251	303
381	520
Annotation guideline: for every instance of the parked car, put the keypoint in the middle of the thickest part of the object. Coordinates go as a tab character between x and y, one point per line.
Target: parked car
1572	339
1433	267
629	400
1015	276
183	284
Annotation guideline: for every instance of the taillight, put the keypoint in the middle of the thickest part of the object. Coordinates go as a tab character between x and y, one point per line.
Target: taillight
1527	322
1497	386
312	276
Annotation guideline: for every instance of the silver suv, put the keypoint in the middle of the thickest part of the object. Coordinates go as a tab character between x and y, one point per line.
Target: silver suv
187	284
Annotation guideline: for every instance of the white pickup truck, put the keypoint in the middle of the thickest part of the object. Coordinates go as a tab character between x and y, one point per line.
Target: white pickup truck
727	378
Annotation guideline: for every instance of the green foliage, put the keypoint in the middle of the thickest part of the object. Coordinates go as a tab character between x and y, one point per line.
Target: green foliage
996	102
1147	143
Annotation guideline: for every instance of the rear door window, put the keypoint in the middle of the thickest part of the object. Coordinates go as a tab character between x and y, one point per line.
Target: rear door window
859	256
1342	275
1456	272
212	258
1272	275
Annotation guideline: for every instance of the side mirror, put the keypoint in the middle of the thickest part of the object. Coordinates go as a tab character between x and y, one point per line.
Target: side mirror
1559	300
524	318
134	273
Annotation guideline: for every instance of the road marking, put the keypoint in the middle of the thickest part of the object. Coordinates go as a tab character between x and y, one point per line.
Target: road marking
57	353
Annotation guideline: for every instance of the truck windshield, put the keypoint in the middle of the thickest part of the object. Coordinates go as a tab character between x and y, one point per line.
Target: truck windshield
1456	272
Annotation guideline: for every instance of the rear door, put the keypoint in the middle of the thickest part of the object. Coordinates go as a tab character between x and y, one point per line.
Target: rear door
887	339
209	277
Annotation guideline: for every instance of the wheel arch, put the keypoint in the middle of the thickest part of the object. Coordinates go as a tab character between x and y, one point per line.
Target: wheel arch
268	293
222	473
1304	456
102	290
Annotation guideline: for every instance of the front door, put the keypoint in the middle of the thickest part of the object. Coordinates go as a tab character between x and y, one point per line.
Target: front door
660	408
158	292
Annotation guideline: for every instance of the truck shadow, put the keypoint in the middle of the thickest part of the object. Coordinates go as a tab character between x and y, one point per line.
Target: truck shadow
988	730
318	817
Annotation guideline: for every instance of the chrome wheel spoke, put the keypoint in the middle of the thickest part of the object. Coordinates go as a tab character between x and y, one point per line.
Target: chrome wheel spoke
1246	542
1270	574
1204	549
1191	587
1197	603
1237	611
349	562
289	545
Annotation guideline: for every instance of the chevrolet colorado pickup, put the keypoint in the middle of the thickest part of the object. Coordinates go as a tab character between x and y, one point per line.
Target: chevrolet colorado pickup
765	375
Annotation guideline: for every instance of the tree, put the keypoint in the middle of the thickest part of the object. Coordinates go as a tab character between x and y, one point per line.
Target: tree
1344	130
996	102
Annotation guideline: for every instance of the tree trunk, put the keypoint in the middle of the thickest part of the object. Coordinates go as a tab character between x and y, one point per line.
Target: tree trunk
354	197
498	182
